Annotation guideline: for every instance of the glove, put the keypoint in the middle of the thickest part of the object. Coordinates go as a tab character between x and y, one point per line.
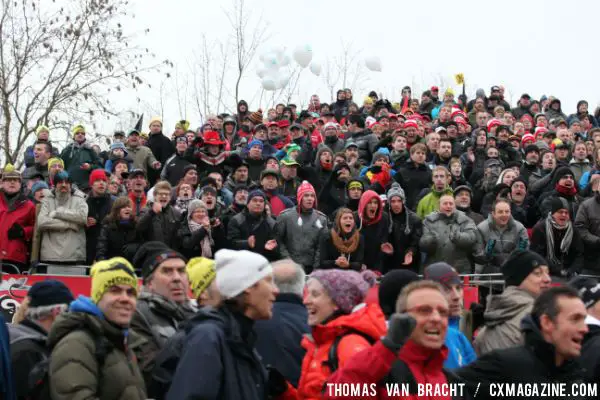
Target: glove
276	383
198	142
16	232
489	249
477	310
400	328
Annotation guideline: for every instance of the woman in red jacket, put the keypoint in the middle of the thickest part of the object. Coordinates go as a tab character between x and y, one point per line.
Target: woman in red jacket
17	214
337	318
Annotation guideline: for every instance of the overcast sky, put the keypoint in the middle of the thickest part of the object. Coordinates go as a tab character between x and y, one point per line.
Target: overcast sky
538	47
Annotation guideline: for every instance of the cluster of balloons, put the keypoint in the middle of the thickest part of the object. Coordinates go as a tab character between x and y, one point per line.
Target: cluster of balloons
275	72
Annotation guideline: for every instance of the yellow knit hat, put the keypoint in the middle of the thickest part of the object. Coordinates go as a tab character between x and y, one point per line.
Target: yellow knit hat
183	124
77	128
40	129
55	160
155	119
108	273
201	272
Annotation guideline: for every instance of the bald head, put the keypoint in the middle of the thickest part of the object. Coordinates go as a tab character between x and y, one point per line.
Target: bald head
289	277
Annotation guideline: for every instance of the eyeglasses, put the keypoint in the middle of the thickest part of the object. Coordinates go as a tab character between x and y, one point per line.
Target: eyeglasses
427	311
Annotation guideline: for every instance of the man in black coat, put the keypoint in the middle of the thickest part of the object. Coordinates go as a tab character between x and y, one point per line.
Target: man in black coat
278	339
99	203
47	299
554	333
161	147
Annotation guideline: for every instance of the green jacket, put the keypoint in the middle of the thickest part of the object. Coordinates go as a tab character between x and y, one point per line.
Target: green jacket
73	368
74	156
431	202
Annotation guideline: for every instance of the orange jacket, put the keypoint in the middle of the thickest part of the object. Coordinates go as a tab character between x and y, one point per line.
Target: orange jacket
369	320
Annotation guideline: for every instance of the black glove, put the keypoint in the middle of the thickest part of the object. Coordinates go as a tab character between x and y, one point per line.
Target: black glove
198	141
399	330
16	231
276	385
477	310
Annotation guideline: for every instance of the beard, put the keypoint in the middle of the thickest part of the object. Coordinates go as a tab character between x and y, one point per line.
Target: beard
62	198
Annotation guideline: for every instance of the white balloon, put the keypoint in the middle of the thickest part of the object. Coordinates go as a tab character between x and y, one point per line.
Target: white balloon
269	82
315	68
261	71
303	55
373	63
285	60
283	79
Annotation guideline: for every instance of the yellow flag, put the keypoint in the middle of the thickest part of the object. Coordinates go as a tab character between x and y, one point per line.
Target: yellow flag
460	78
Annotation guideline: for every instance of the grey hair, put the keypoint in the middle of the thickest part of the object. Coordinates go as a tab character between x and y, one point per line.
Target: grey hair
293	284
41	312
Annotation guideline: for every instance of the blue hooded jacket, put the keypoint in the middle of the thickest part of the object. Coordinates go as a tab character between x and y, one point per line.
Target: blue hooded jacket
460	350
7	385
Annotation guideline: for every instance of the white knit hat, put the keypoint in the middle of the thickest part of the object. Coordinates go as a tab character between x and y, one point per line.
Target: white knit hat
238	270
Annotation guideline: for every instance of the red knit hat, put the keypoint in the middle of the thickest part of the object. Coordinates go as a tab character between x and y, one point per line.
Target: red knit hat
411	123
97	175
527	138
493	122
213	138
304	188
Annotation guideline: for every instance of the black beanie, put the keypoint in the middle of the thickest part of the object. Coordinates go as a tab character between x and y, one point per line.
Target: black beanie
390	287
519	265
559	173
49	293
521	179
151	254
558	203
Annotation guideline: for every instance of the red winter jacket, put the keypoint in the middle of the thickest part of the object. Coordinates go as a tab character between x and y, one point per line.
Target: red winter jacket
372	365
369	320
23	213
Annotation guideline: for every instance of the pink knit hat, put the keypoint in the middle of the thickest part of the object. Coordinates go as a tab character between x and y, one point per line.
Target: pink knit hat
346	288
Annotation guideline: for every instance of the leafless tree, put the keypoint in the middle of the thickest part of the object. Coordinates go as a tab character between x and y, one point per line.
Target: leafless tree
345	70
247	36
60	61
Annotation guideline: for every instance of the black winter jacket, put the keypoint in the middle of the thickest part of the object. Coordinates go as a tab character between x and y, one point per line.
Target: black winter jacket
117	239
531	363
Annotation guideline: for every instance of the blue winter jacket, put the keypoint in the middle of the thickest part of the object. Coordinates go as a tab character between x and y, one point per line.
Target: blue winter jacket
7	385
278	339
218	361
460	350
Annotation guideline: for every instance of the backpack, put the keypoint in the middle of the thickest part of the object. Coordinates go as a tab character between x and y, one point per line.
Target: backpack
332	358
39	377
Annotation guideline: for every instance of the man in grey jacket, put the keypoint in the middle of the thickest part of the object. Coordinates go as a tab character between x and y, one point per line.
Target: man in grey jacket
61	221
527	275
499	235
299	229
449	236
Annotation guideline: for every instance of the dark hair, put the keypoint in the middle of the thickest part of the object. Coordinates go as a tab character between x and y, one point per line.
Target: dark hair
357	119
46	144
446	139
547	302
118	204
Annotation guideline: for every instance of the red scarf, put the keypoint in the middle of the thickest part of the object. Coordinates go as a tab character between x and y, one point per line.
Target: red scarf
566	191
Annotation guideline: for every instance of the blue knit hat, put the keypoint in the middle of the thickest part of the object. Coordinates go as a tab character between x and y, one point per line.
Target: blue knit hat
39	185
49	292
255	142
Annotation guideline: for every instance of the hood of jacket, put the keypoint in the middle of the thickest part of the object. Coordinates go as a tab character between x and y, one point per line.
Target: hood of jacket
364	200
238	329
85	314
365	318
507	305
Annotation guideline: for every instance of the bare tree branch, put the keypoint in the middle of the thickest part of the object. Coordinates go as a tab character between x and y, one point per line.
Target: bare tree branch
57	64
